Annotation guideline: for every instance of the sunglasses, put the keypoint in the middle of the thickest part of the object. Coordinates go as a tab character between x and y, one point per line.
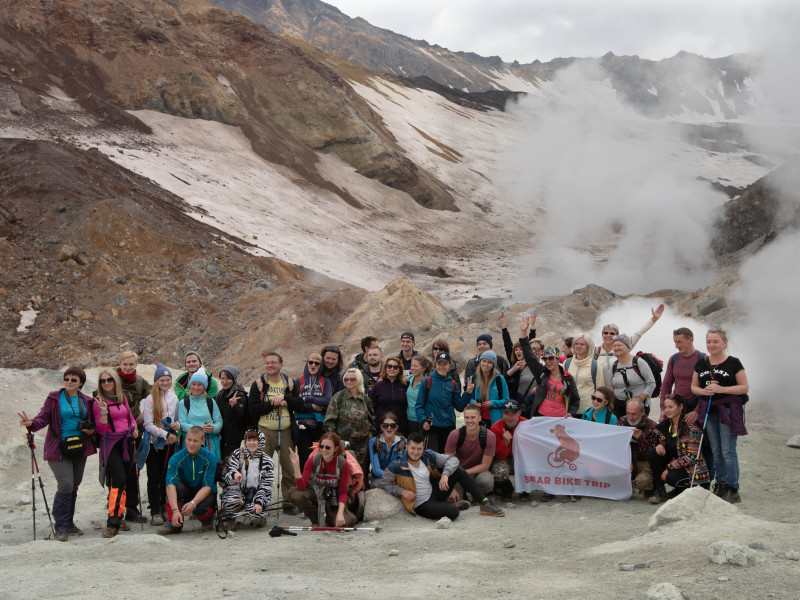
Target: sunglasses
608	333
346	379
436	348
598	399
392	366
389	425
106	380
537	349
71	379
718	330
314	363
325	447
546	358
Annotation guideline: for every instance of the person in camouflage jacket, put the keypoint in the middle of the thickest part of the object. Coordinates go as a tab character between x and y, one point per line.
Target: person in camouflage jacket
350	415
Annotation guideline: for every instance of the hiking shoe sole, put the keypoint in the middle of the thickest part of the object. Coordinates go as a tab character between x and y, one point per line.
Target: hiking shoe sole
110	532
124	526
75	531
61	536
492	510
168	530
462	505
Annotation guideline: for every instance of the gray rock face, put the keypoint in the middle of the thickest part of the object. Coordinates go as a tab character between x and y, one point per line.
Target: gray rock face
733	553
664	591
712	305
380	505
794	441
689	505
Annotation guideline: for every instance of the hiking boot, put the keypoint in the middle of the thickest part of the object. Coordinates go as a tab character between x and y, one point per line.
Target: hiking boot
462	505
168	529
156	520
290	509
548	497
206	525
123	526
110	532
525	496
488	508
732	495
659	496
61	536
135	517
75	531
720	489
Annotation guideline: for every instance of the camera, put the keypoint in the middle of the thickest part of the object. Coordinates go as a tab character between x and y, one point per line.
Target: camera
86	424
330	495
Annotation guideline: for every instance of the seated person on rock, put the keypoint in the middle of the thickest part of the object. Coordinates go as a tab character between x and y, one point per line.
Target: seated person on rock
248	481
424	480
385	448
190	484
473	444
644	438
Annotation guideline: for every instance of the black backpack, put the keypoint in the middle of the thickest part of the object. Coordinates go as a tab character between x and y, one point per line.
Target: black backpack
210	402
656	366
462	436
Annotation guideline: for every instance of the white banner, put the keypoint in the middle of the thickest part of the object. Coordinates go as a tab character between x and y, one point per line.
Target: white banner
573	457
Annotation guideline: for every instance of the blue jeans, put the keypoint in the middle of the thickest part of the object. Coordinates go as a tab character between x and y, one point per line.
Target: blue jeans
723	445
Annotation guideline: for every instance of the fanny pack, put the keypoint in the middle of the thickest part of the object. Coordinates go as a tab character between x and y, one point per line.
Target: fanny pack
73	446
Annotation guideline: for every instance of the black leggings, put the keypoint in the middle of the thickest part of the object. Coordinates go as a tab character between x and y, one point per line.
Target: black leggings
437	438
677	478
437	505
120	473
156	483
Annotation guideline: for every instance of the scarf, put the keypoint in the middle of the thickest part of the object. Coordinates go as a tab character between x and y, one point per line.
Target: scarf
129	379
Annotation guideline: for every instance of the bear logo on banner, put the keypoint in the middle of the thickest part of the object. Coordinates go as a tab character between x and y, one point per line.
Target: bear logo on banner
567	451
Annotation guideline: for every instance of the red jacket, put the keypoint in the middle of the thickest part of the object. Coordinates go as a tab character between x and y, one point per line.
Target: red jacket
503	452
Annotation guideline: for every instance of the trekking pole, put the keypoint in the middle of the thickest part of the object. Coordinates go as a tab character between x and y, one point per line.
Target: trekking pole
700	445
138	487
279	530
429	421
278	480
35	473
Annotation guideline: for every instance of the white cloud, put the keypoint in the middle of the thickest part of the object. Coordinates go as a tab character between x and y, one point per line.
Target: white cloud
525	30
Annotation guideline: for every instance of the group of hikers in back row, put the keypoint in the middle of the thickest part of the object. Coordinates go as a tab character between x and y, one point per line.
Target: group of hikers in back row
396	417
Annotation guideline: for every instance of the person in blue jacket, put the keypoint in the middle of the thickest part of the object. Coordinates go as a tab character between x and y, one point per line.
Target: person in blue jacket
488	389
602	409
384	448
190	484
315	392
438	398
200	409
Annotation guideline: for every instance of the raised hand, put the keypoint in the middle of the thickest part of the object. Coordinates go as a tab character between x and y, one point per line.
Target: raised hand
24	421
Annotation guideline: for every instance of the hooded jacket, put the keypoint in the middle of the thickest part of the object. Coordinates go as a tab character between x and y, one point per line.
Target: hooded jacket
441	400
234	418
256	469
313	389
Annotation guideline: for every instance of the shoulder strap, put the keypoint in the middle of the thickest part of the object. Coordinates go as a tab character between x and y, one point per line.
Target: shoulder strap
378	446
482	436
462	435
186	403
594	372
567	363
608	417
210	406
497	384
636	367
302	382
428	383
674	358
139	386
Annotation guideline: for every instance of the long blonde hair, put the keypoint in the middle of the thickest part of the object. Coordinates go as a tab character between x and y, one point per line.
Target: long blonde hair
117	386
158	408
485	380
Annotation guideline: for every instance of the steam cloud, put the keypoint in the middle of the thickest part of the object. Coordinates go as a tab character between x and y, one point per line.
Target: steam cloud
616	203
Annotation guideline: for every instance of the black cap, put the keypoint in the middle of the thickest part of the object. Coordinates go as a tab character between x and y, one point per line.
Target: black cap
511	405
408	335
442	356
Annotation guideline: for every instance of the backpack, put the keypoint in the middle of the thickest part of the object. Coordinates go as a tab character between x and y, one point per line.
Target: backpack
401	445
656	366
287	382
428	384
462	436
568	362
356	483
674	358
303	383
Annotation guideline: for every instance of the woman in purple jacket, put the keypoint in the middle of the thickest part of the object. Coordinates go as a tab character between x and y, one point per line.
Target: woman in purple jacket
64	411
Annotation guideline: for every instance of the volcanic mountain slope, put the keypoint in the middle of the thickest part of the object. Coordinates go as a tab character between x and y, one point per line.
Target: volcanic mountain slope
190	59
683	83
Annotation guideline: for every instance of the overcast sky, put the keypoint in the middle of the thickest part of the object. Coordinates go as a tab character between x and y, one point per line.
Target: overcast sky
525	30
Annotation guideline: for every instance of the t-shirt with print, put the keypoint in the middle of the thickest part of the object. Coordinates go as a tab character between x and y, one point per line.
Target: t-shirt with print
554	404
270	420
470	454
422	481
724	373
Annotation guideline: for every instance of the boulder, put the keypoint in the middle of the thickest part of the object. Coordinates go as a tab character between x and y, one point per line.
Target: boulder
67	251
443	523
664	591
794	441
712	305
733	553
380	505
689	505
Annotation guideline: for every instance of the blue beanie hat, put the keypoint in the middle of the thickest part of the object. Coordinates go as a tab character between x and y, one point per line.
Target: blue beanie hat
485	337
200	377
161	370
489	355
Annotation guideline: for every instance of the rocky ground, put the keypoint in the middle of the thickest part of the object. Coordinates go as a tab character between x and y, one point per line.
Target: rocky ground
559	551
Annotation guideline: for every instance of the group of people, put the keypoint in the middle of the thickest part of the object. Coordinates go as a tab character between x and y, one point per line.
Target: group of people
386	423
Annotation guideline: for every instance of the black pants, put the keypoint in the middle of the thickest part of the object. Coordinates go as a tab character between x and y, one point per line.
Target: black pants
156	465
305	437
204	509
437	505
437	438
677	478
120	473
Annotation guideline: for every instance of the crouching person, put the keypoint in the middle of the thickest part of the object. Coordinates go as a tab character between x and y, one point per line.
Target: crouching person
190	484
248	481
644	438
424	480
324	479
